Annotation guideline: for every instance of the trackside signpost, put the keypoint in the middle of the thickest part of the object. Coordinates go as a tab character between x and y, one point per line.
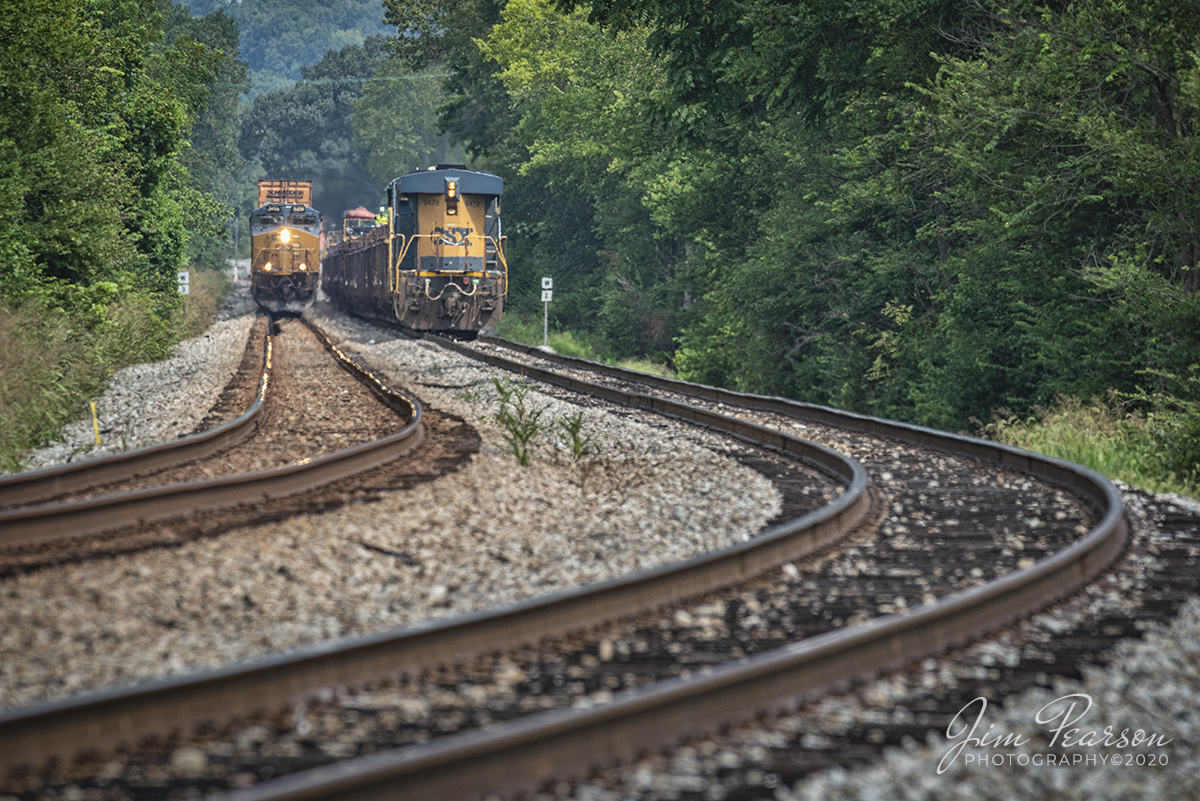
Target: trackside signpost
547	296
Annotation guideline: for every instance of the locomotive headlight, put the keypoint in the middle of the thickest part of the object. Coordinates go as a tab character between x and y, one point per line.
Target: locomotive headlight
303	267
285	235
451	190
267	268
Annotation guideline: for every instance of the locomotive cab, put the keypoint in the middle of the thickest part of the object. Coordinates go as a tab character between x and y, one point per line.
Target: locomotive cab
285	266
446	250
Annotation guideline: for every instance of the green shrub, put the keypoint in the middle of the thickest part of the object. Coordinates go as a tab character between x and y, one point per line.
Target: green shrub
521	421
578	443
45	379
58	357
572	343
647	366
1158	449
529	332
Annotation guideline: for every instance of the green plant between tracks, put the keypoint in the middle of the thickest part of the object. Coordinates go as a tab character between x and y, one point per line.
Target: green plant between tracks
522	422
579	444
519	418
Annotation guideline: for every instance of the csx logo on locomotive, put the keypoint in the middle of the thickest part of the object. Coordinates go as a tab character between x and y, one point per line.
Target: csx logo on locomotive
454	237
441	266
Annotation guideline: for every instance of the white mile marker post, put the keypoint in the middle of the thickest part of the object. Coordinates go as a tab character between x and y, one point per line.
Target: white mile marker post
547	296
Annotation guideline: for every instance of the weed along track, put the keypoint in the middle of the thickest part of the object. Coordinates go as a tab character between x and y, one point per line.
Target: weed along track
816	582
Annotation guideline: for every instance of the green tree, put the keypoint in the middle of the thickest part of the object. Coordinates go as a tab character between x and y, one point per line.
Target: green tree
397	120
211	157
279	37
98	107
305	132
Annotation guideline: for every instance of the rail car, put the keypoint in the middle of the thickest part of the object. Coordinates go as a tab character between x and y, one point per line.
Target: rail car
437	265
357	222
285	247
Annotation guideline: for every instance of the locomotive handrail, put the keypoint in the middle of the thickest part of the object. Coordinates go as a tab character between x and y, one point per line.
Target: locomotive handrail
441	241
406	243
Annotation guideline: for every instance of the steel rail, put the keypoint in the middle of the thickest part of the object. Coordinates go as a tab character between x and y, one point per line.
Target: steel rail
124	715
51	522
523	754
1065	474
37	485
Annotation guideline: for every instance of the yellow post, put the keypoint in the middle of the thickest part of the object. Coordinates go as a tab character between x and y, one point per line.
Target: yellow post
95	422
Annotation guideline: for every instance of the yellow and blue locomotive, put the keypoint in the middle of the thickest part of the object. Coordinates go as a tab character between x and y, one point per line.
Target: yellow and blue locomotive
438	264
285	246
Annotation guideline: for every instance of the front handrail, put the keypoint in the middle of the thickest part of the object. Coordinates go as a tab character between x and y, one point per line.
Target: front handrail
407	241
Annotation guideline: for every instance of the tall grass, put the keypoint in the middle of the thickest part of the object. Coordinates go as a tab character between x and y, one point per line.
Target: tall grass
529	332
571	343
1148	449
54	364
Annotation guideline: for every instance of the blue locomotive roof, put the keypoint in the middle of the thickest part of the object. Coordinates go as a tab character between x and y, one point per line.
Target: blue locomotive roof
433	182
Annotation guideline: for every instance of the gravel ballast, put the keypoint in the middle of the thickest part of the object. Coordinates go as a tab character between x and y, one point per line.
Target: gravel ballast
653	492
1150	684
150	403
1147	693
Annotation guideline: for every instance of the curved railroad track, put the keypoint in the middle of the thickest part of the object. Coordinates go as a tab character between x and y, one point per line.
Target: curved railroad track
527	751
31	735
55	508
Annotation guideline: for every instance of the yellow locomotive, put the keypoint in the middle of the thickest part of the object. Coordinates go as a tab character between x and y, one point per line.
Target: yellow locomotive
285	246
439	263
359	221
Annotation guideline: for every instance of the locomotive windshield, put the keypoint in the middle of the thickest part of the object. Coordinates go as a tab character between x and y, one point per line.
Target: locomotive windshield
261	223
304	220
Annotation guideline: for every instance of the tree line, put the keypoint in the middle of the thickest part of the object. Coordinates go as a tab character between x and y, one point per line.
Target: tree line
115	137
930	210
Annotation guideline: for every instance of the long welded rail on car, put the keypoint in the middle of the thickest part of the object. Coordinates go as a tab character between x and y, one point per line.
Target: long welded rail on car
35	732
44	523
523	754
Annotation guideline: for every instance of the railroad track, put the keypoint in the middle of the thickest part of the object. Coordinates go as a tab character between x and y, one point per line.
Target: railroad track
63	727
62	506
525	752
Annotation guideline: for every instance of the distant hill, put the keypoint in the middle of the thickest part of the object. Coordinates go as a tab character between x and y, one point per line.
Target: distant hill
278	37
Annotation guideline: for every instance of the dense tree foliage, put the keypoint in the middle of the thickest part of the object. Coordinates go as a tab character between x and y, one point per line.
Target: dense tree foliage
280	37
116	146
212	159
920	208
396	120
926	209
96	200
305	132
354	121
